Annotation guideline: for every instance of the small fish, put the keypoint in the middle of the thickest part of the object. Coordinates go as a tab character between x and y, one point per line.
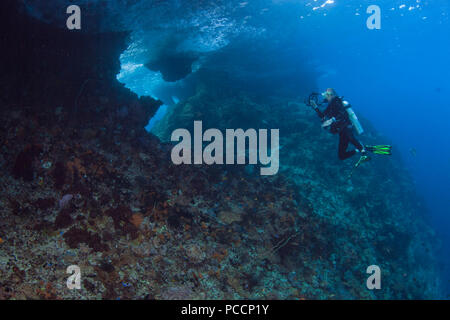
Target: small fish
65	200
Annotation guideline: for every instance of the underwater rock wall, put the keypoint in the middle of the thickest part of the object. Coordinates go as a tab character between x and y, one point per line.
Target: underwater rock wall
47	70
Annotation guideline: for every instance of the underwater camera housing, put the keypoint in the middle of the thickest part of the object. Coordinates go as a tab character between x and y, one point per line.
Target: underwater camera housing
313	97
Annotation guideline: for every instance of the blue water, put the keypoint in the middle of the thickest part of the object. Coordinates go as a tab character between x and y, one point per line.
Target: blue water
398	78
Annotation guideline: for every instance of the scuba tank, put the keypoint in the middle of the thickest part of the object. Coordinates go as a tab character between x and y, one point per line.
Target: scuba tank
353	117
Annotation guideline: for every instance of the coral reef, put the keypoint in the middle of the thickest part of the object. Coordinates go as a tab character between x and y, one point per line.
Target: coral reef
140	227
374	218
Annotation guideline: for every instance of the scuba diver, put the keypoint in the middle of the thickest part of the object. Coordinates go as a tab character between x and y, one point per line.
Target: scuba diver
340	119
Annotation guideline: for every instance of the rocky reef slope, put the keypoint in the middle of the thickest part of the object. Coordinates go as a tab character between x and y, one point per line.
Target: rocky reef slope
372	217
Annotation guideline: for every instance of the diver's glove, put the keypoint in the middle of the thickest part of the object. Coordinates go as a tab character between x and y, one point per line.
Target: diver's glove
328	122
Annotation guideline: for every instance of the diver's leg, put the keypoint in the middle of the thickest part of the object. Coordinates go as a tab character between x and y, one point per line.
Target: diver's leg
343	145
355	141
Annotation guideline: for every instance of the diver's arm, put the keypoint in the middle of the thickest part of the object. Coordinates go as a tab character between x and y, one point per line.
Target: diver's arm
319	113
328	112
316	108
327	119
326	116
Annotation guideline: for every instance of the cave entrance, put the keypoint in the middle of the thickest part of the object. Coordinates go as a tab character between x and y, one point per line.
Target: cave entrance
165	79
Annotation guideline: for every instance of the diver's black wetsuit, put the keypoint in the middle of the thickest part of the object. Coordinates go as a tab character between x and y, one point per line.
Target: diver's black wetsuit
342	126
